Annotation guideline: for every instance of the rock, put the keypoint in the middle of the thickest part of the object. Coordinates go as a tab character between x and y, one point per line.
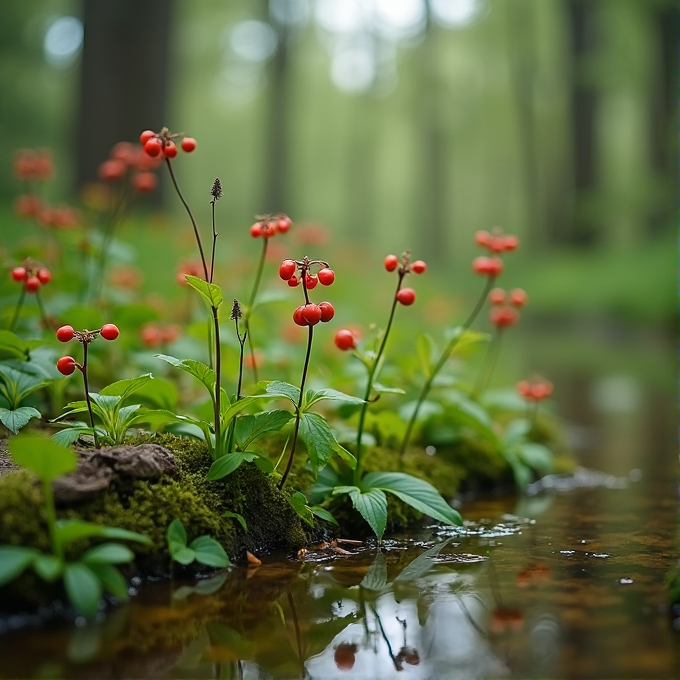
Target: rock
83	484
145	461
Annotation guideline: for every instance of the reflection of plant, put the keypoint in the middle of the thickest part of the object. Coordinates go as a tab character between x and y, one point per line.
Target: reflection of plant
203	549
94	571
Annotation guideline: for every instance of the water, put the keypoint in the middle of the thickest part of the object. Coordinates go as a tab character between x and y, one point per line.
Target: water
565	582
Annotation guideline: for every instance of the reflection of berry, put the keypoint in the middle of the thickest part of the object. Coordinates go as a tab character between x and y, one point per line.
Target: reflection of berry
109	331
406	296
66	365
410	655
344	339
345	656
65	333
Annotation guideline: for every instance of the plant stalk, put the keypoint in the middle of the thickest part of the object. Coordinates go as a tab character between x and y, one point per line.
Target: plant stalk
88	401
17	309
251	302
51	517
488	364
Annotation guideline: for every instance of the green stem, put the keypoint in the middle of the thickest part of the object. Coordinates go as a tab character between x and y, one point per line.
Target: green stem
218	371
251	302
369	384
88	401
444	357
41	307
17	309
488	364
51	516
283	451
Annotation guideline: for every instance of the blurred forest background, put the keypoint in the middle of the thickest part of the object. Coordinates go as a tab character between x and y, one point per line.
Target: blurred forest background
388	124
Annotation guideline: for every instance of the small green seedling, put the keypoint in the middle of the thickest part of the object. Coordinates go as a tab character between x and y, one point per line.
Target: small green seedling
203	549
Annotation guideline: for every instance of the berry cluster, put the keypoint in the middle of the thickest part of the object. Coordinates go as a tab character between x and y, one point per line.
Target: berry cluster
310	313
66	365
155	334
496	243
163	143
536	389
33	164
405	296
32	275
130	160
270	225
505	306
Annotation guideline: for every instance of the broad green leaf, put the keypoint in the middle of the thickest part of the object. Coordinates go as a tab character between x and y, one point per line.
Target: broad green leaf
319	440
239	518
427	409
421	564
183	555
198	369
251	427
210	292
69	530
107	404
16	385
417	493
209	552
11	345
226	464
503	400
371	505
278	388
160	393
14	560
15	420
516	431
176	536
520	470
242	404
48	567
298	502
324	514
376	578
83	587
208	586
108	553
112	580
466	340
379	388
537	456
426	349
42	455
312	397
124	388
225	638
71	434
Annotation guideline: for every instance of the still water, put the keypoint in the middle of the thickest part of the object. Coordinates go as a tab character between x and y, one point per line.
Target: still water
564	582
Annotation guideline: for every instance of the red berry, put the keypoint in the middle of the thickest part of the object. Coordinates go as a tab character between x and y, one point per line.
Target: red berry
510	242
327	311
188	144
541	390
44	275
491	266
19	273
391	262
109	331
311	313
482	238
406	296
287	269
146	136
497	296
495	266
310	281
283	224
344	339
418	267
170	149
153	147
518	297
496	244
293	281
298	316
523	388
326	276
111	170
65	333
66	365
32	284
345	656
256	230
144	182
502	317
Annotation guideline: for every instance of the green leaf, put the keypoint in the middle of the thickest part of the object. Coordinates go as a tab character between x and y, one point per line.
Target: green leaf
242	404
324	514
42	455
537	456
520	470
418	567
467	340
320	441
71	434
251	427
208	586
48	567
124	388
383	389
112	580
312	397
198	369
298	502
371	505
13	560
184	555
16	385
226	464
426	350
176	536
11	345
83	587
16	419
108	553
239	518
160	393
210	292
516	431
417	493
209	552
376	578
278	388
69	530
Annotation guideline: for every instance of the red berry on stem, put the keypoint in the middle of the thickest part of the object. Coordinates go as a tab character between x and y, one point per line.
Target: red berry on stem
153	147
66	365
170	149
287	269
482	237
65	333
44	275
146	136
502	317
19	273
391	262
510	242
283	224
541	390
109	331
144	182
418	267
518	297
495	266
311	313
293	281
188	144
256	230
497	296
523	388
299	318
32	284
344	339
496	244
310	281
326	276
406	296
327	311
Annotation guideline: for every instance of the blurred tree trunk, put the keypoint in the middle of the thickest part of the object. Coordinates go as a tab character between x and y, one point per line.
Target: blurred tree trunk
581	229
124	76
